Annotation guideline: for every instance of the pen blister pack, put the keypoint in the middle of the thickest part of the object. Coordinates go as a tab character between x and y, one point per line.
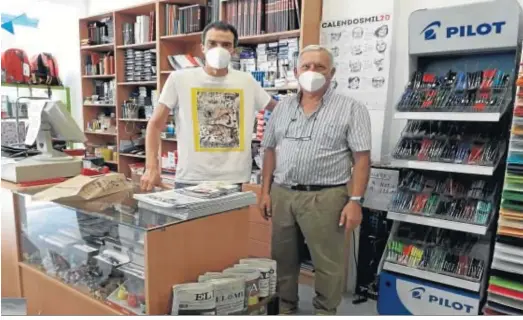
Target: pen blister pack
450	197
486	90
447	252
451	142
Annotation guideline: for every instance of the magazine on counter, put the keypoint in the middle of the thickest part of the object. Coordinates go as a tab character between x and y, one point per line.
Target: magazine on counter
181	198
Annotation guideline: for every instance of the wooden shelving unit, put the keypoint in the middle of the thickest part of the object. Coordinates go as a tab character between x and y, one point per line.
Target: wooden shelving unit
166	45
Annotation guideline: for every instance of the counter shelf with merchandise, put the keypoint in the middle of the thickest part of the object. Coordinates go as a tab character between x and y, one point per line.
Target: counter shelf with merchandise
110	250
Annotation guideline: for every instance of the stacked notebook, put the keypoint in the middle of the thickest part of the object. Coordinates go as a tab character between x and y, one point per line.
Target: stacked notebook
140	65
195	202
505	290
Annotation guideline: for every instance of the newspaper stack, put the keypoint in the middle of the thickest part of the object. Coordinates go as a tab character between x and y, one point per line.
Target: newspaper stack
195	202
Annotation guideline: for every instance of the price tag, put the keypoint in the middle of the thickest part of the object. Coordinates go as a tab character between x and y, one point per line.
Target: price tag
383	183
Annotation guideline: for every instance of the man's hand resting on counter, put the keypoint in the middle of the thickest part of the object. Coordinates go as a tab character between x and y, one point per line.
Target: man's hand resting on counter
150	179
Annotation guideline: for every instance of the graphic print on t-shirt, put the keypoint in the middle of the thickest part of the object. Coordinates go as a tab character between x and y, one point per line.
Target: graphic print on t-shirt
218	119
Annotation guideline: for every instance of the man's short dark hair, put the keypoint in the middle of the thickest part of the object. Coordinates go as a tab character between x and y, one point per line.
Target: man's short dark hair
222	26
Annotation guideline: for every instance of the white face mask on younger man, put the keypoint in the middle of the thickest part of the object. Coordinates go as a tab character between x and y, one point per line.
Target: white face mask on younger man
217	58
311	81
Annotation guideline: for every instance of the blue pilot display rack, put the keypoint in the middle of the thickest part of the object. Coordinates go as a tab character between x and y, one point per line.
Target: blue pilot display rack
458	106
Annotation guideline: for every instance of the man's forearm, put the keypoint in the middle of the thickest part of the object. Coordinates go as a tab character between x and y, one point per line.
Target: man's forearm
360	176
269	162
152	144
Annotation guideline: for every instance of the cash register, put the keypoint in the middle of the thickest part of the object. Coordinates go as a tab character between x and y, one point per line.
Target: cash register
46	118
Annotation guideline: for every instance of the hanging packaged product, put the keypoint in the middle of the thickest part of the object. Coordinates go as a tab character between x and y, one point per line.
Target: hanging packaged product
265	272
193	299
273	274
229	294
252	283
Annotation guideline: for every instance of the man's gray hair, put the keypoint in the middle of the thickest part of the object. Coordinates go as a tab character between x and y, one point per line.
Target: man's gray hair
316	47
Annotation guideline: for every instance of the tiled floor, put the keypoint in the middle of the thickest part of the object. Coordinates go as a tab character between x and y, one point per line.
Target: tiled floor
346	307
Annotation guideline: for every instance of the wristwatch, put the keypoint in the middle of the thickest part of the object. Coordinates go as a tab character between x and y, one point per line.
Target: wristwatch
359	200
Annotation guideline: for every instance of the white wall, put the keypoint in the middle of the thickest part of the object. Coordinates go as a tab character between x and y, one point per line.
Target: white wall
57	33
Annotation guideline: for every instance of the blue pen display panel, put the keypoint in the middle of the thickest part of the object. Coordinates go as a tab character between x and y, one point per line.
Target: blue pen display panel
403	295
472	83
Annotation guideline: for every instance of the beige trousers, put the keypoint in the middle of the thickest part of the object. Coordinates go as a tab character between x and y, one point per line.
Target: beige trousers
317	215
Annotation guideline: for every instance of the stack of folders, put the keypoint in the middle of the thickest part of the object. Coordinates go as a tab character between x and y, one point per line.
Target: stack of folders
195	202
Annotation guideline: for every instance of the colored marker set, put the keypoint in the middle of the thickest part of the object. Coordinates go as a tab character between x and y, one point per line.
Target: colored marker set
435	259
481	91
438	250
450	142
451	197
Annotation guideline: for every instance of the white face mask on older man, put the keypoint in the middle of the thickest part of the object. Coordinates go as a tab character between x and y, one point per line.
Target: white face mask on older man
311	81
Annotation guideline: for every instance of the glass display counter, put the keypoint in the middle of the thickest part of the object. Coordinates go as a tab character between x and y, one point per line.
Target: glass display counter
107	256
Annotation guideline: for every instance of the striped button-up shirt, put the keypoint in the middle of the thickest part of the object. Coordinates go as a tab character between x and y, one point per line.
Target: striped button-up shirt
316	149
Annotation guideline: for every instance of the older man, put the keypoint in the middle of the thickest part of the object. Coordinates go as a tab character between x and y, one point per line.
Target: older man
312	141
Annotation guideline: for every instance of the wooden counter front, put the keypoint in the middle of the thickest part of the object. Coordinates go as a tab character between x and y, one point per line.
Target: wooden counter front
11	277
180	253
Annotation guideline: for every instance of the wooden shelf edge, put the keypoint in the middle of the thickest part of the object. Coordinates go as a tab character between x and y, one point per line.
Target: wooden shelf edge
70	289
133	120
99	76
137	83
108	46
269	37
183	36
101	133
98	105
145	45
130	155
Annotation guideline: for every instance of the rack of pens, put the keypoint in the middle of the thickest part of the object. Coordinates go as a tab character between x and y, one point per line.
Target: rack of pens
480	91
451	142
447	252
448	197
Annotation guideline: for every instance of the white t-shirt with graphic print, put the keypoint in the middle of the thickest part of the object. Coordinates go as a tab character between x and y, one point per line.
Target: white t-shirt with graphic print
214	119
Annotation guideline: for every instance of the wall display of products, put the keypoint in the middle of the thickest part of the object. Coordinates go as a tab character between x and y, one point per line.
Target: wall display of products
449	197
271	64
446	252
505	290
361	56
451	142
442	233
486	90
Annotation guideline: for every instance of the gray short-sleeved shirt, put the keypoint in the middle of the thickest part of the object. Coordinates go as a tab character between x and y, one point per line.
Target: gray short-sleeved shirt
316	149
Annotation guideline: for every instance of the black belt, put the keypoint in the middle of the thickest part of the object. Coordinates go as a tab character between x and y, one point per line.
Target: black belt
309	187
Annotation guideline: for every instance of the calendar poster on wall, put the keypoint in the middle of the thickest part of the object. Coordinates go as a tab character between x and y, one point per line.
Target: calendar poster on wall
361	50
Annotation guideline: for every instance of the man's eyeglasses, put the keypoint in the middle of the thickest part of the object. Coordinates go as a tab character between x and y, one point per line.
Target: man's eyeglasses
293	134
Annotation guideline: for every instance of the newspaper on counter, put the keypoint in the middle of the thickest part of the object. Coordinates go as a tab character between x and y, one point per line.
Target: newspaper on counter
195	202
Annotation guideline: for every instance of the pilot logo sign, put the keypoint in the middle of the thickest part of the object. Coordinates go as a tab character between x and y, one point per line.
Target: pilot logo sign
419	294
430	33
463	31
